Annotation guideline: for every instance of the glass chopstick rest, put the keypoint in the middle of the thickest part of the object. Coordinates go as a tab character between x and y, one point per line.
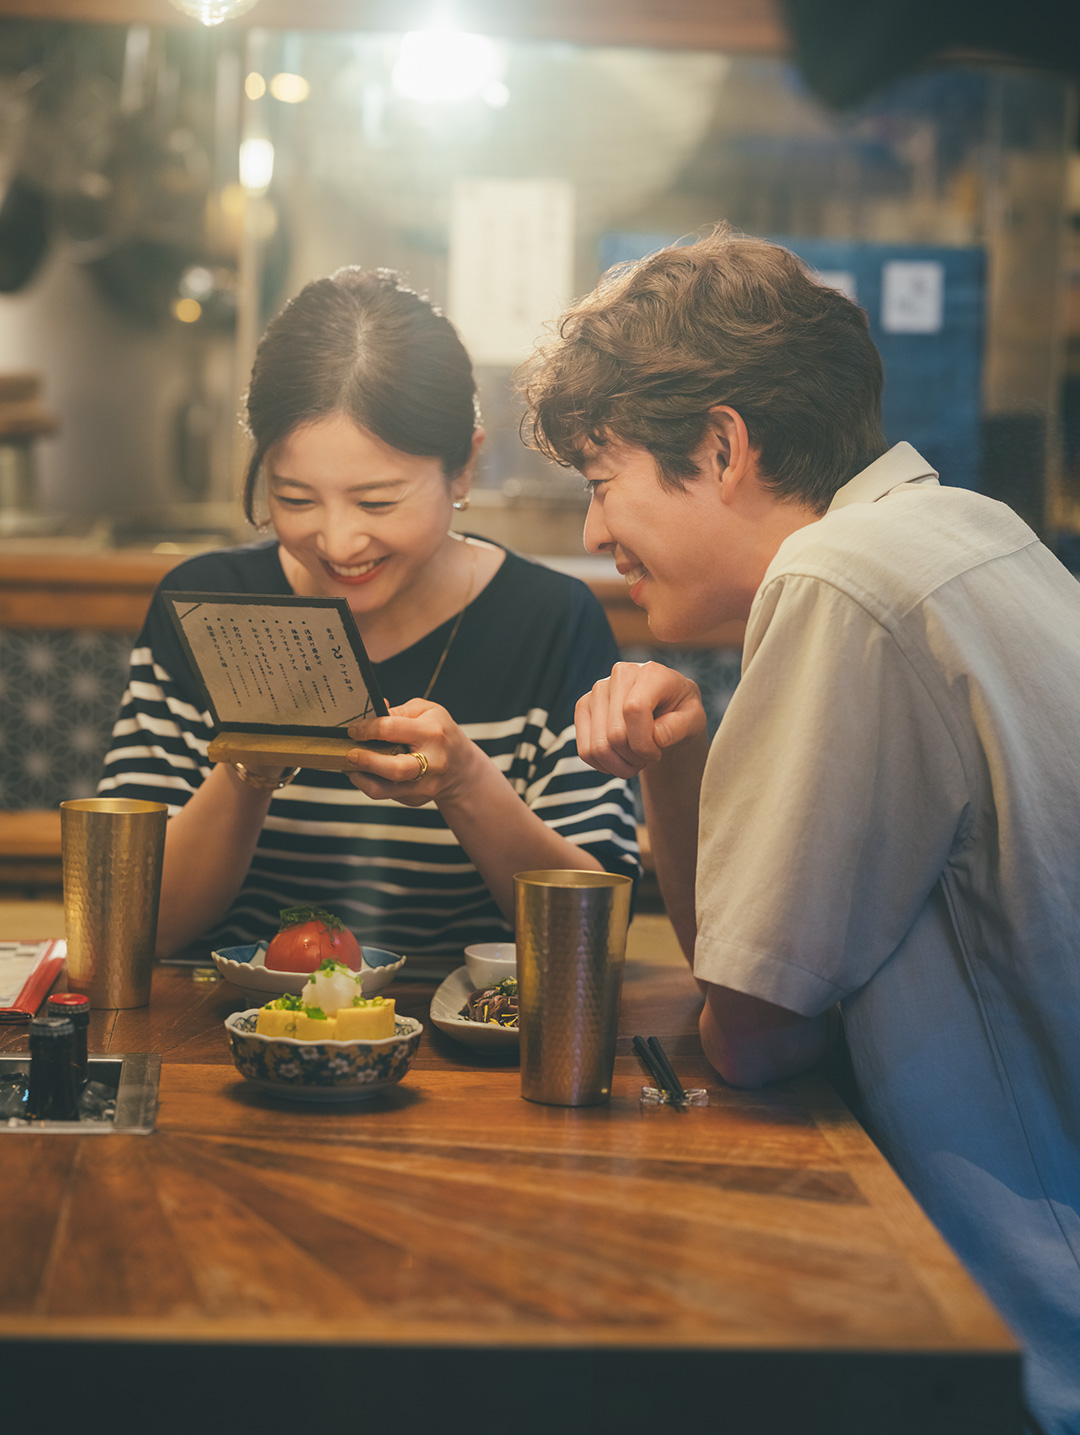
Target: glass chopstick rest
654	1096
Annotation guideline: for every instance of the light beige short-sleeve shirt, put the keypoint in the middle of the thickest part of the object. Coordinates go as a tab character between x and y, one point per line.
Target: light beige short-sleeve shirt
890	818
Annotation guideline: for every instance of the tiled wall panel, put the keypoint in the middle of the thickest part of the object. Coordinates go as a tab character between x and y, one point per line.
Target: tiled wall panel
59	696
60	693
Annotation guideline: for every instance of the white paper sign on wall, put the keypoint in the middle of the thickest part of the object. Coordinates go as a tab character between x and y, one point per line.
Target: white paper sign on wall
511	263
912	296
841	279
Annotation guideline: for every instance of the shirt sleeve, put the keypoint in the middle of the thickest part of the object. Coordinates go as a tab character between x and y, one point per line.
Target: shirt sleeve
159	742
832	797
591	809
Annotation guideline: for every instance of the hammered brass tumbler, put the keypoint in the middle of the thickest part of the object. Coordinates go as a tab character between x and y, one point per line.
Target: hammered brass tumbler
571	944
112	849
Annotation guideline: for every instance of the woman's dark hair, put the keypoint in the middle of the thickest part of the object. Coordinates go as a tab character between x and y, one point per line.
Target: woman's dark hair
727	320
362	345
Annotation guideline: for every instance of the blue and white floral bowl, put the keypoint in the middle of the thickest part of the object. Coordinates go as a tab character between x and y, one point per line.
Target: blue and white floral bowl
246	968
321	1070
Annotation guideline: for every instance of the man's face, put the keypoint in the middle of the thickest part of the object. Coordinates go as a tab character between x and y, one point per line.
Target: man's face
688	558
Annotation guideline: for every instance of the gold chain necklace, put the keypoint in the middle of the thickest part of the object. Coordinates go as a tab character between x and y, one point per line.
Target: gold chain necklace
457	623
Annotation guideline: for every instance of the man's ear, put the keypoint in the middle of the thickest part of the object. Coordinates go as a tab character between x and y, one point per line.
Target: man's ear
730	455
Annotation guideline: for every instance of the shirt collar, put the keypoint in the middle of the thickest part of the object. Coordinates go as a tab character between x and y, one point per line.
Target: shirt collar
902	464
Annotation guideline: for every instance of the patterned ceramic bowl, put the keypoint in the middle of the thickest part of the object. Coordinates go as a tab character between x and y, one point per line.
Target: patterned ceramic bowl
246	968
321	1070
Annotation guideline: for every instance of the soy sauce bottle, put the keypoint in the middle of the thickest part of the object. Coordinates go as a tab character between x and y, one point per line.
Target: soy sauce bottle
53	1096
76	1008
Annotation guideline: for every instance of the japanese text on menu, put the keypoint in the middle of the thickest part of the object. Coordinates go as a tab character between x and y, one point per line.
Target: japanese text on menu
288	666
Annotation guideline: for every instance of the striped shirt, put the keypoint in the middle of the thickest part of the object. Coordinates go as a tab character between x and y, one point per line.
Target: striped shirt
529	645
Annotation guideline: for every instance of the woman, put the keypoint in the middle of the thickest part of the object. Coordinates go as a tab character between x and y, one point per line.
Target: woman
362	408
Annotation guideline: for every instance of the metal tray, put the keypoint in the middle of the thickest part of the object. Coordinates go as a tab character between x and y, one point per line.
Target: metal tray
133	1077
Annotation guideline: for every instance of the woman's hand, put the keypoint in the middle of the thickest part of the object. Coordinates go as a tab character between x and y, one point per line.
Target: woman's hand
628	719
498	832
422	727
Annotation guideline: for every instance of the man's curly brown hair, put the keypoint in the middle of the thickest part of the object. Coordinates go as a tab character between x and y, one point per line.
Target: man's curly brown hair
726	320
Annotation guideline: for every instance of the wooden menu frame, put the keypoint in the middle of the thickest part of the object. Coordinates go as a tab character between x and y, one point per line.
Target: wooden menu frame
282	676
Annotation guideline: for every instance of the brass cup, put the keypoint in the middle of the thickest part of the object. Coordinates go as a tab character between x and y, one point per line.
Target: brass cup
112	849
571	946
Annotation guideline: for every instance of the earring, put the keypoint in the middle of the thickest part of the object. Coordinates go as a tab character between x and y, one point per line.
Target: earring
461	503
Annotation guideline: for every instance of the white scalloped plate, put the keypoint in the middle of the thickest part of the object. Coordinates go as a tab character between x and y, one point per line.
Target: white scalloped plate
480	1035
245	968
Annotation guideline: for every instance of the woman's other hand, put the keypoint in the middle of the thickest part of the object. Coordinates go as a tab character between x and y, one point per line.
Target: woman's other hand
629	719
450	759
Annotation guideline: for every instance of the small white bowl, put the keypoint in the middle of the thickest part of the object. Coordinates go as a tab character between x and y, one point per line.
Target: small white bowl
489	963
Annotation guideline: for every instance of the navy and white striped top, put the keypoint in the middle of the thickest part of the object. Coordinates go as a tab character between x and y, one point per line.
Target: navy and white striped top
529	645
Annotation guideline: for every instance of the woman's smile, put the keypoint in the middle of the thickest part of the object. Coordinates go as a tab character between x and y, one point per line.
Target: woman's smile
354	515
355	574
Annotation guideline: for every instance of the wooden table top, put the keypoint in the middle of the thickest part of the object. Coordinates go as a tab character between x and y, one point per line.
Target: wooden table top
449	1214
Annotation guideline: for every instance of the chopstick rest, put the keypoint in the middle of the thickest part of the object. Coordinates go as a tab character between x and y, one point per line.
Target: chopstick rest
668	1089
694	1096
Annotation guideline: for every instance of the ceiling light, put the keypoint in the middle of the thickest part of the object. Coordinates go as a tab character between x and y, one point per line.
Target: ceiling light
495	94
212	12
444	66
290	89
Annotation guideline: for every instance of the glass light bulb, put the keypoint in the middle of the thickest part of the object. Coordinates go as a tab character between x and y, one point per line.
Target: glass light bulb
212	12
290	89
256	164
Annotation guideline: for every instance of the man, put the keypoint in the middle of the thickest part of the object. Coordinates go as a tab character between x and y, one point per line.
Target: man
889	812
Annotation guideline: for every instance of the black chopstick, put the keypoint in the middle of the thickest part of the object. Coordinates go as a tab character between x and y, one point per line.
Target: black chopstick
672	1082
664	1080
650	1064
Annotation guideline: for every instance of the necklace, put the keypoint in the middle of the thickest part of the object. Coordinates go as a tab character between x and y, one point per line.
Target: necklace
457	625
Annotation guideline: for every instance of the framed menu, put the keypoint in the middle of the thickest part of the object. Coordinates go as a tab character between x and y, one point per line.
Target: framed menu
283	677
27	971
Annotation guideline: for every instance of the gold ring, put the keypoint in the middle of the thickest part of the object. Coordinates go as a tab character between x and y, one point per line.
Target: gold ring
421	762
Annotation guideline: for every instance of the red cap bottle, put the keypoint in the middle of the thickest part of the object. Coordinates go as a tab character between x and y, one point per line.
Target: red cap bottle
76	1008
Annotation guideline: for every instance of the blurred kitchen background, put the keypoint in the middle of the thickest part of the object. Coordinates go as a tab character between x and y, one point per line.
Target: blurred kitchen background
166	188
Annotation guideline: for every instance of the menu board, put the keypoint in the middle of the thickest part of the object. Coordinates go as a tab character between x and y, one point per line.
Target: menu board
274	664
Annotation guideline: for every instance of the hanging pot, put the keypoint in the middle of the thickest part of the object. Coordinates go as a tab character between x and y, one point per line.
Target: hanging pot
24	233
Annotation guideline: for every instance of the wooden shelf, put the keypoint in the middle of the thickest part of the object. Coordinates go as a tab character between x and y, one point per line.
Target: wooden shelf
32	839
733	26
30	851
101	591
112	590
30	836
631	627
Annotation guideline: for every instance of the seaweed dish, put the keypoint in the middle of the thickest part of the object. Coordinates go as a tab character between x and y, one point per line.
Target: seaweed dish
496	1005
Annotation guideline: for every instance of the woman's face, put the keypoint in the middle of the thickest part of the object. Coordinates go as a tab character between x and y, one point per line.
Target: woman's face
363	520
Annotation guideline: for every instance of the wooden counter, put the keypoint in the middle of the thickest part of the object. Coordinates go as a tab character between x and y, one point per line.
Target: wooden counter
448	1256
30	850
730	26
112	590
